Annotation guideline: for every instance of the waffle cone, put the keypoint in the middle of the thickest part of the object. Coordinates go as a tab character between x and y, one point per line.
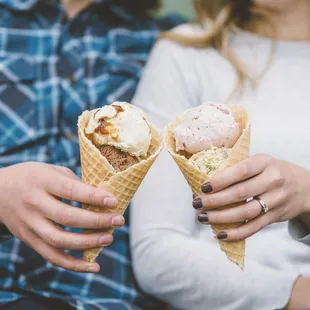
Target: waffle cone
96	171
234	250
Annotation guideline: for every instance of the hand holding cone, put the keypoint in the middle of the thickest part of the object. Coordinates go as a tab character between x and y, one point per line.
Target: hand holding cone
97	171
235	251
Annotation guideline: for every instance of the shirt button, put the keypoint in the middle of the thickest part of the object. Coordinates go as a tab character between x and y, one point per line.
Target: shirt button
72	78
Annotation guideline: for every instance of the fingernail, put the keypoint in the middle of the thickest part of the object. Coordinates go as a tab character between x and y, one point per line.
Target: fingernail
194	196
207	188
203	217
221	235
106	239
110	202
197	203
118	221
93	268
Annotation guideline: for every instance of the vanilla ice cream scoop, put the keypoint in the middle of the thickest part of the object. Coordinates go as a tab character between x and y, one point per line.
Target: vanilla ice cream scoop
204	127
121	125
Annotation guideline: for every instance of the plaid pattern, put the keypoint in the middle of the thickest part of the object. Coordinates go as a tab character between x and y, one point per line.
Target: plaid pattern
52	69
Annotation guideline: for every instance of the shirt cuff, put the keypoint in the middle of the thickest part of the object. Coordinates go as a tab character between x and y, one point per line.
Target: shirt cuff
5	234
299	231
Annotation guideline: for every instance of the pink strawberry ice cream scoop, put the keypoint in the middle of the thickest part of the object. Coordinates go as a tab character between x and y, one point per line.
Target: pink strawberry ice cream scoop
204	127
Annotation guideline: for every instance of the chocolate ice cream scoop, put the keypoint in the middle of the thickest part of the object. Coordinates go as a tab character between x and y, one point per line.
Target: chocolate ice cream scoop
118	159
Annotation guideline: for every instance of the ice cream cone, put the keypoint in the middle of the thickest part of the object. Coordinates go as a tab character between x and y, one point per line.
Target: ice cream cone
96	171
234	250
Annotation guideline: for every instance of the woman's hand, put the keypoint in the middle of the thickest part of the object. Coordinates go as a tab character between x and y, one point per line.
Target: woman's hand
283	187
31	208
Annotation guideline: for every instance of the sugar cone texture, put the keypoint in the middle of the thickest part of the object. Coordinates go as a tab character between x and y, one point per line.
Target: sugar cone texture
96	171
234	250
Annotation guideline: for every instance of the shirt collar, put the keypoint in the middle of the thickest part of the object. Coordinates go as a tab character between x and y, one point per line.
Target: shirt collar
26	5
19	5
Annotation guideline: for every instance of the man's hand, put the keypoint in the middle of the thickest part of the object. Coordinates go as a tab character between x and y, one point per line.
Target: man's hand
31	208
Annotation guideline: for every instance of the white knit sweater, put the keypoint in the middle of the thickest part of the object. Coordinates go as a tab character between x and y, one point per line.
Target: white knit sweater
176	258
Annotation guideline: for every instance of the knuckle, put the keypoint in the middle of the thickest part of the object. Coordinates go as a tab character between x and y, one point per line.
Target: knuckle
256	226
99	221
54	241
89	243
277	177
67	218
33	174
91	197
70	263
20	233
238	233
210	202
66	190
30	198
220	217
241	192
268	159
23	235
74	266
66	170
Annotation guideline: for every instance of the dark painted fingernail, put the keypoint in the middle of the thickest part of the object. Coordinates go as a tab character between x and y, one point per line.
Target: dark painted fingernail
194	196
203	218
207	188
197	203
222	235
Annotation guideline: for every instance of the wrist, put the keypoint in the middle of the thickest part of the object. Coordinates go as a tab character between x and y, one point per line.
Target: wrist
300	298
305	208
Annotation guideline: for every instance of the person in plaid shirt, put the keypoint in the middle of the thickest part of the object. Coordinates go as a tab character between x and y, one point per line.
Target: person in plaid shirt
57	59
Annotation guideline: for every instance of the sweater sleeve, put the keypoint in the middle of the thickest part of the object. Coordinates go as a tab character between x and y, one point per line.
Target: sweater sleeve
299	231
174	258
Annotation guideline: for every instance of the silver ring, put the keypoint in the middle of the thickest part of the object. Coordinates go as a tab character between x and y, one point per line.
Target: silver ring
265	208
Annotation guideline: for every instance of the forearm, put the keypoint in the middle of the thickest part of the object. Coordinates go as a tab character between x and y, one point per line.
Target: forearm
179	270
180	262
300	299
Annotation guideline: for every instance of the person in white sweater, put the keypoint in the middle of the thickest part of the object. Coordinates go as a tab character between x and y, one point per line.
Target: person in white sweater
255	53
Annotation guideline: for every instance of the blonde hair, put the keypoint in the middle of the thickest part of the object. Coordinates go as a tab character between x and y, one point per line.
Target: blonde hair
221	18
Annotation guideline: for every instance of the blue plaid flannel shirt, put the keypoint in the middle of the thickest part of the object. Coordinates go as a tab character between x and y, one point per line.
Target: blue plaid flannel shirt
51	70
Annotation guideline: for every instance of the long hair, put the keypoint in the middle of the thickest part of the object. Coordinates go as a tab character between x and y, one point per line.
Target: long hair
221	18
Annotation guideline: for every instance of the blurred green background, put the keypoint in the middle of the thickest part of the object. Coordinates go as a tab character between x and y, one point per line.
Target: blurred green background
184	7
